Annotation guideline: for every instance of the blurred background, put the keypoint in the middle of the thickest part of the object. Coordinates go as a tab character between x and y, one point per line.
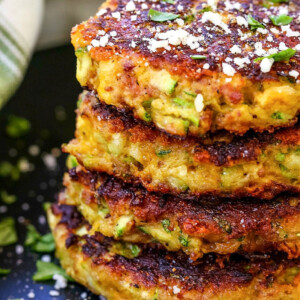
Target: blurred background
38	94
60	16
27	26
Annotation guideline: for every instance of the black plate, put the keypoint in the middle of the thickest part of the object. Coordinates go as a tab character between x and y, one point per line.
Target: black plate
47	98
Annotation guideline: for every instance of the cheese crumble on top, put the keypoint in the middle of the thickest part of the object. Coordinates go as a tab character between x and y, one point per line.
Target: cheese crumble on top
231	35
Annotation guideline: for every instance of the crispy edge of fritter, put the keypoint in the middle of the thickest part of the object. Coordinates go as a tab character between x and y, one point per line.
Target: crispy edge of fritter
246	223
205	151
175	61
171	276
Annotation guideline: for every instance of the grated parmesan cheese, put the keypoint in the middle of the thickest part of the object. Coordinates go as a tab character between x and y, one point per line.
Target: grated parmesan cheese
266	65
130	6
176	290
294	74
228	69
199	105
216	19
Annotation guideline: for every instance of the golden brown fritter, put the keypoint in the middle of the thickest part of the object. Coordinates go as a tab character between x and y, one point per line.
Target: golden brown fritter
129	213
156	274
112	141
198	71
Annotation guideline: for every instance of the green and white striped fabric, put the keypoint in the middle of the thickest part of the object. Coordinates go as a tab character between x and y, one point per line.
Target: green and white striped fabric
20	22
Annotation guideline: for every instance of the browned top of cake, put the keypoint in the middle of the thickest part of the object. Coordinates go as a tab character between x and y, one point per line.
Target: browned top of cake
227	36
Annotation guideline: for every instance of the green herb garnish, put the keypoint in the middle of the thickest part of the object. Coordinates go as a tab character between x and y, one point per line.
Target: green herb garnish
46	271
169	1
279	1
281	20
32	236
7	198
254	24
283	55
37	242
4	271
17	126
8	234
198	57
205	9
159	16
9	170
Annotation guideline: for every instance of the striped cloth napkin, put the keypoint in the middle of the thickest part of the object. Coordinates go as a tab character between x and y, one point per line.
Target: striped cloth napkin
20	21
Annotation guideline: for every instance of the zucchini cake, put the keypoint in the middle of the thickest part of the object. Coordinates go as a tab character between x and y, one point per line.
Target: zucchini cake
257	164
132	214
192	67
97	262
184	173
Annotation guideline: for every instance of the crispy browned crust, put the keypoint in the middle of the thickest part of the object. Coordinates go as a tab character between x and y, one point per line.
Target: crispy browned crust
203	217
265	192
221	149
156	266
178	61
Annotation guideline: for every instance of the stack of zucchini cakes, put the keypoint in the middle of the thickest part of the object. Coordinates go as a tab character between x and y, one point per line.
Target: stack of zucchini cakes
184	175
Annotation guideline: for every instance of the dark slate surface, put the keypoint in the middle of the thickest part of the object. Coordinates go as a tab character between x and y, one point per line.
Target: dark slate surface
47	98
